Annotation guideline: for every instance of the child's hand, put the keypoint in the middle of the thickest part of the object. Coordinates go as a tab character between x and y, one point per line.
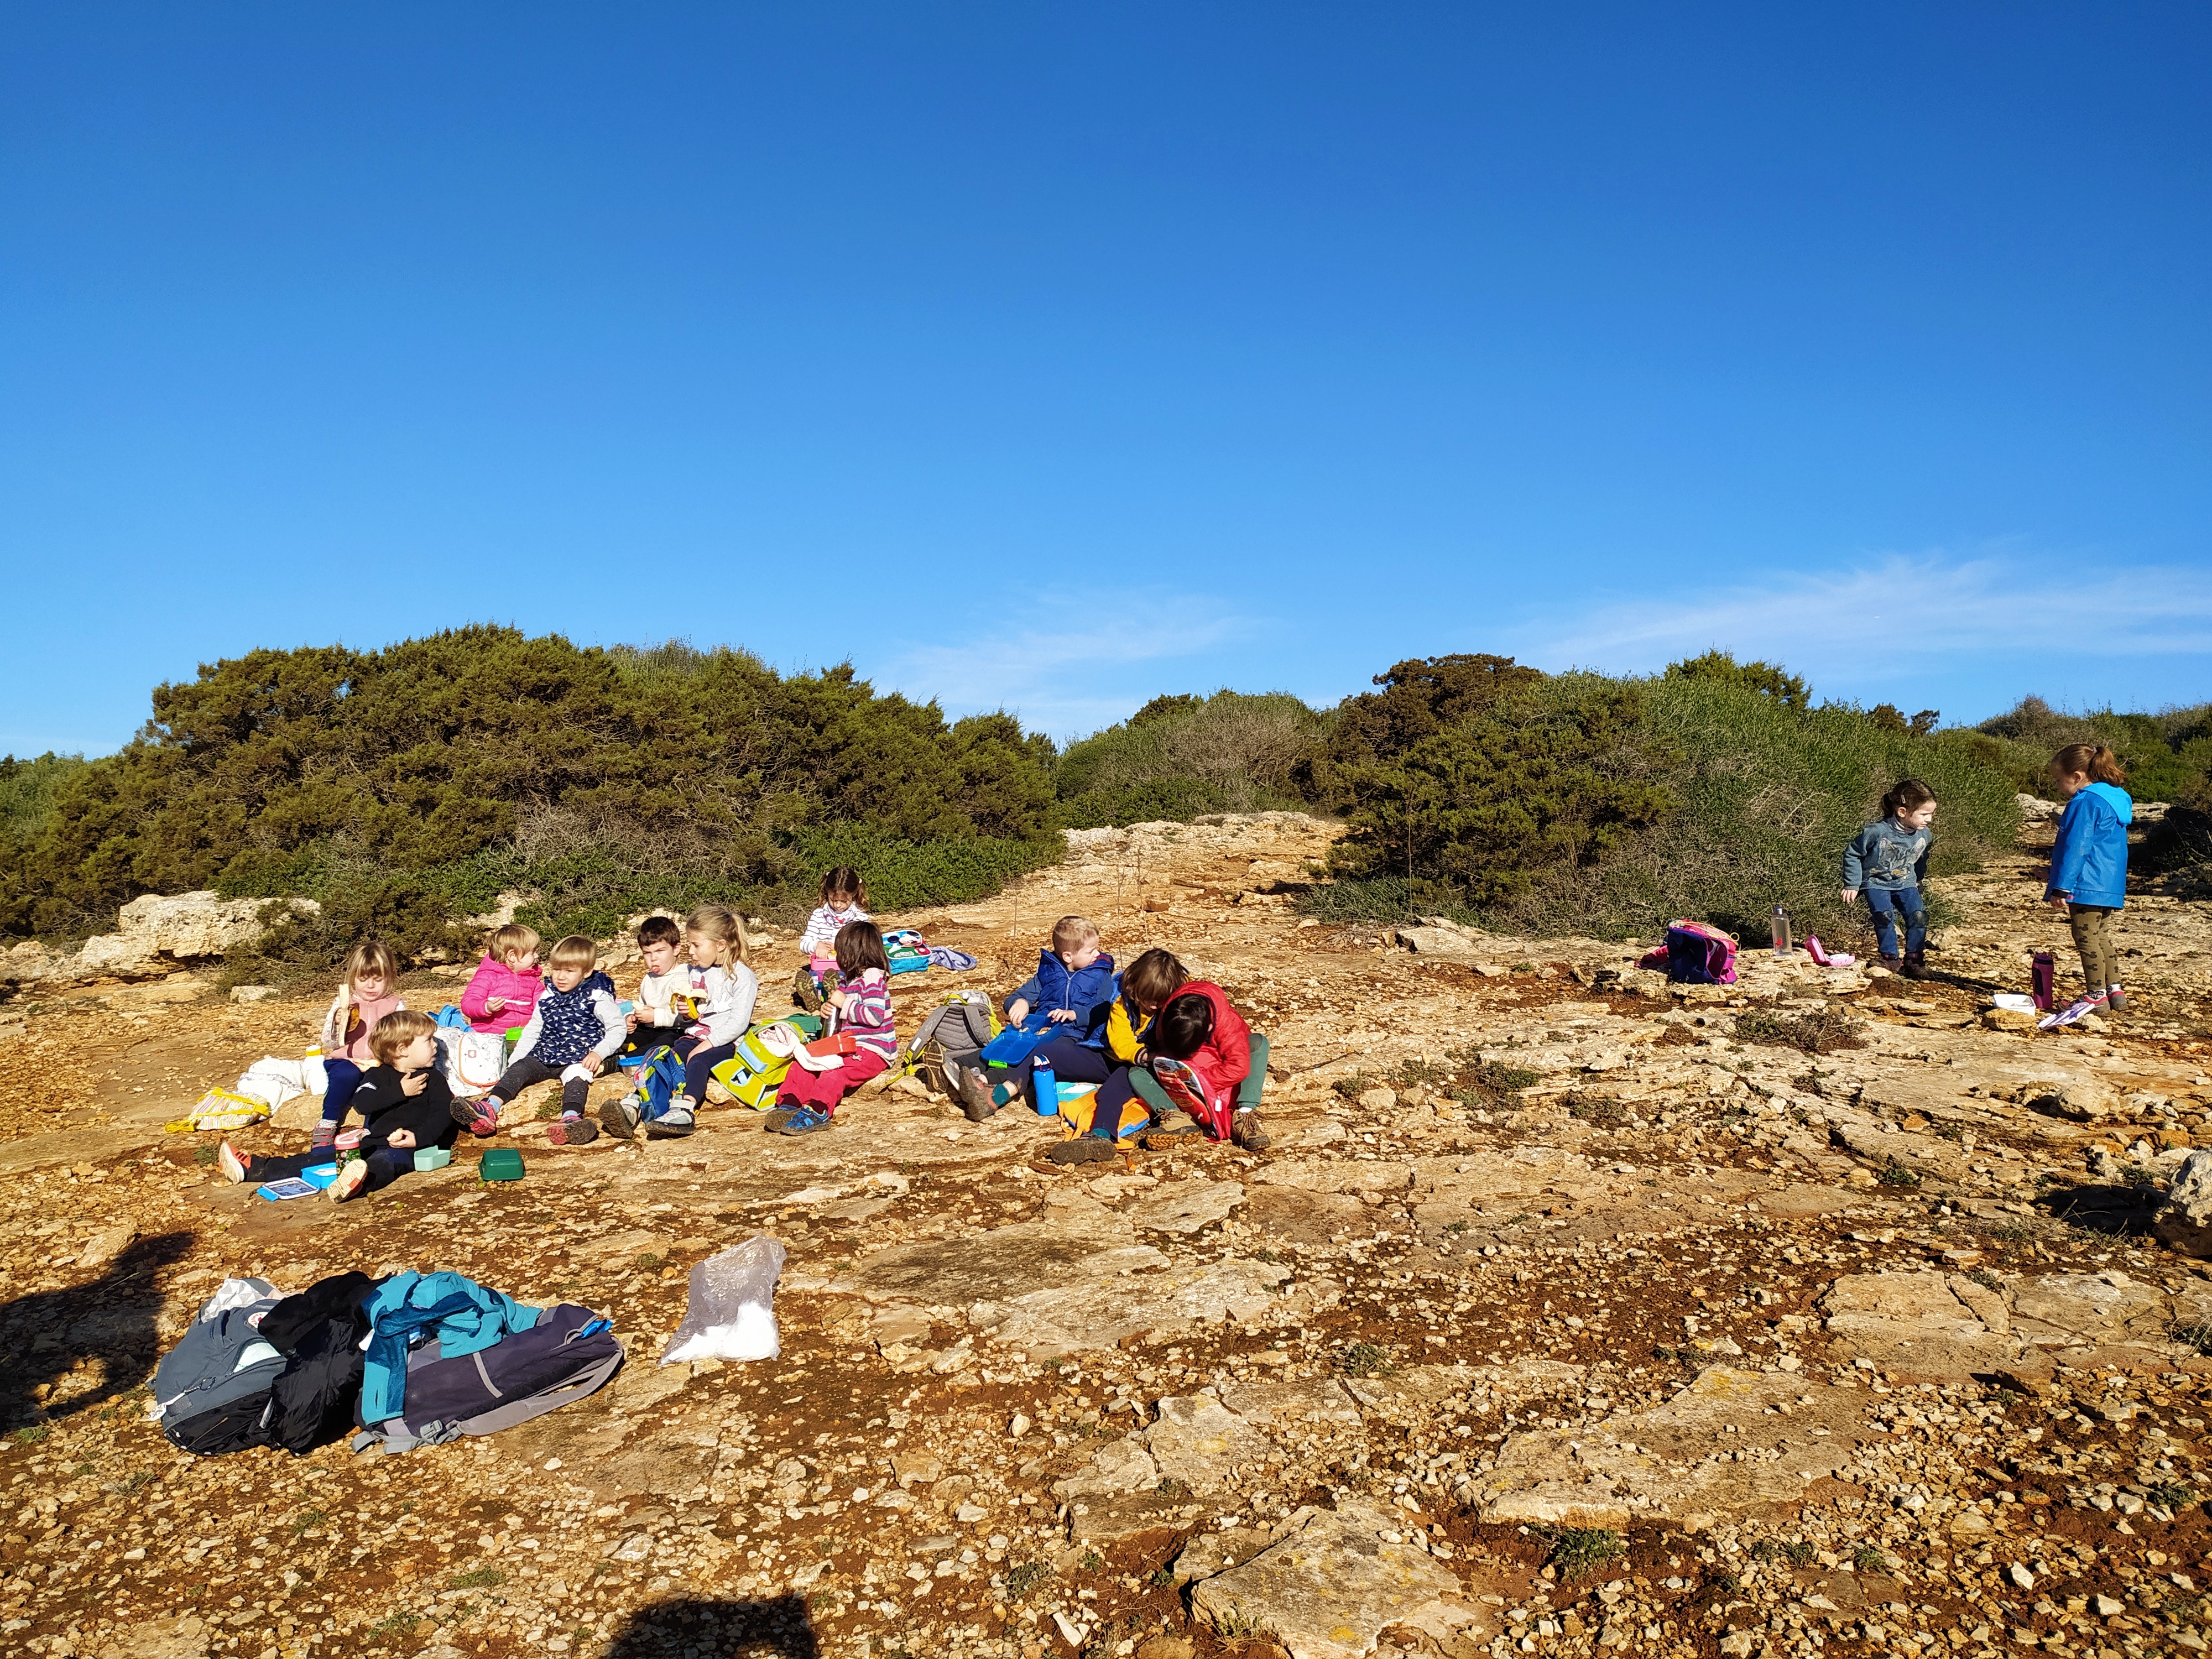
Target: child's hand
1850	894
414	1083
629	1022
840	1000
1060	1016
1016	1013
493	1005
400	1139
2056	902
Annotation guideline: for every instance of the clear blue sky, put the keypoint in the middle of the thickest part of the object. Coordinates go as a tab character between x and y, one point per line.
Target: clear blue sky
1056	356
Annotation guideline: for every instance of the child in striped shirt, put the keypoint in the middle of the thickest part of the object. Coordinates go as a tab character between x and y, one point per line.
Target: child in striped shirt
844	901
867	1038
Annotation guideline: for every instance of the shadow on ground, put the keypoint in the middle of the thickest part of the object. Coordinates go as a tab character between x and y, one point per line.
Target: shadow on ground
781	1628
113	1320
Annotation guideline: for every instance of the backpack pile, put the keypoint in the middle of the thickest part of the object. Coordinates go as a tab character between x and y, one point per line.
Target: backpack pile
433	1358
1695	953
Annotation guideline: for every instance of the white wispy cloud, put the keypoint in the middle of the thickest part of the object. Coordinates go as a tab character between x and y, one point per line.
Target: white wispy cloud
2009	603
1062	661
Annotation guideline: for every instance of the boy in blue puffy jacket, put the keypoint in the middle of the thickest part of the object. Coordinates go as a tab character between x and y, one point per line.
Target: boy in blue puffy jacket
2089	870
1073	983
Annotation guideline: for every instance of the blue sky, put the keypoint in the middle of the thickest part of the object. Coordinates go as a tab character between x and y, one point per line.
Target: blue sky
1053	358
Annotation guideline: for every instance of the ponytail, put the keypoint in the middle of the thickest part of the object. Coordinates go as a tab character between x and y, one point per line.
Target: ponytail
1909	794
2101	764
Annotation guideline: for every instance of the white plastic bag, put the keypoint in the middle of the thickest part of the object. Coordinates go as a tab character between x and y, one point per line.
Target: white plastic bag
731	1314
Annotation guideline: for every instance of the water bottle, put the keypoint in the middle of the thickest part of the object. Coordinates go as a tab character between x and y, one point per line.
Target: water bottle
1781	932
1048	1092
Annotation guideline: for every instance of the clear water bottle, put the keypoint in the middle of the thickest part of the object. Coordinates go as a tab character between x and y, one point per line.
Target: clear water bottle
1781	932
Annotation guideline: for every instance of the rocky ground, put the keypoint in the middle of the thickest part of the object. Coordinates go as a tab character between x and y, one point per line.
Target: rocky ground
1566	1313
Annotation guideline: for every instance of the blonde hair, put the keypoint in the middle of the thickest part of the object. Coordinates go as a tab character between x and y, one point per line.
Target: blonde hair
395	1031
371	956
573	951
722	925
1073	932
513	940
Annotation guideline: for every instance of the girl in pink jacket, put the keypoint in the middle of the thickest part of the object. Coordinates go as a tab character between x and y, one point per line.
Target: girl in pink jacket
506	985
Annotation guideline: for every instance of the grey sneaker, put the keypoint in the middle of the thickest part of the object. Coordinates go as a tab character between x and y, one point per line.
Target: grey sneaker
974	1092
619	1118
671	1125
2116	1000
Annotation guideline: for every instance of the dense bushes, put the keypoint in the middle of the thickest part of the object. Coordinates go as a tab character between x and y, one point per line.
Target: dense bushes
1587	804
407	786
1181	757
2167	757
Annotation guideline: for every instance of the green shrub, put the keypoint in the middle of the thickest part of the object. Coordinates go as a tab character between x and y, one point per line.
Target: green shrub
1179	757
2168	755
1529	781
1763	678
404	788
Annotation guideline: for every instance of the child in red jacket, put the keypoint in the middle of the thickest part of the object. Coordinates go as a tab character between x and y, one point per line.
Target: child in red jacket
1211	1064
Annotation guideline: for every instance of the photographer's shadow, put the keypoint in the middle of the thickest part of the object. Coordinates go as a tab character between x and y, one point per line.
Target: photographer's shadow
781	1627
116	1318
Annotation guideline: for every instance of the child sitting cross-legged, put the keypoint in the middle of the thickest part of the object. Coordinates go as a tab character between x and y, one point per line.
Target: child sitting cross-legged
404	1097
866	1040
718	990
574	1026
1066	998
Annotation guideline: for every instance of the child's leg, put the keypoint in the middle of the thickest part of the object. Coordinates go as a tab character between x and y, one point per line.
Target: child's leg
1914	909
2093	937
259	1171
700	1067
821	1091
1065	1057
386	1166
521	1075
1248	1091
1882	904
341	1078
1106	1105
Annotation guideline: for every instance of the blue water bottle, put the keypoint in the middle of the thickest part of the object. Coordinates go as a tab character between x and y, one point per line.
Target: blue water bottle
1048	1092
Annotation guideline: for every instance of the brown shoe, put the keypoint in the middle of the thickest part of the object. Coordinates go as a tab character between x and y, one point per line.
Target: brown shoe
1248	1133
1916	965
1083	1149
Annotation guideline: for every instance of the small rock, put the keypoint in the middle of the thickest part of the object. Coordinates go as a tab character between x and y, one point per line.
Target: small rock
1165	1647
1379	1099
2008	1020
2021	1576
1018	1427
2184	1220
2105	1608
252	993
103	1246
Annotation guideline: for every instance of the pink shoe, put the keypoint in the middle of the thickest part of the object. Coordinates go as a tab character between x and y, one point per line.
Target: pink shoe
1821	959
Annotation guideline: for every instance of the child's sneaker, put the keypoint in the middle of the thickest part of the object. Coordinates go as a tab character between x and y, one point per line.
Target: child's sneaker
804	1121
805	992
2116	1000
577	1131
774	1121
1083	1149
324	1138
1173	1129
347	1140
620	1118
353	1175
1916	965
478	1117
1248	1134
232	1162
673	1124
2079	1010
976	1094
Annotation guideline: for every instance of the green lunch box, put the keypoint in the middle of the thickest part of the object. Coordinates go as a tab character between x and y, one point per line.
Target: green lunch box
431	1157
501	1164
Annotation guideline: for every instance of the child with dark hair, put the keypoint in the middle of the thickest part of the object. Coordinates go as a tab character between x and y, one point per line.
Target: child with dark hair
1212	1064
866	1040
1887	860
2089	870
1177	1044
844	894
662	1009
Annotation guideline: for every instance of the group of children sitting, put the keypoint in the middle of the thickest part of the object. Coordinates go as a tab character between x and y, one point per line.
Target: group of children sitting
1168	1053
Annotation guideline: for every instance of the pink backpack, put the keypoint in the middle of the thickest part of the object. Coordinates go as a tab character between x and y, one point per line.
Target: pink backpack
1695	954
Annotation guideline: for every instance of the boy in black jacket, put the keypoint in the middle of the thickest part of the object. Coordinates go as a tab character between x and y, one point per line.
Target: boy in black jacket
406	1101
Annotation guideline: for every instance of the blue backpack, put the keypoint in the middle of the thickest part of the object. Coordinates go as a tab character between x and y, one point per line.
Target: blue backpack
659	1081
